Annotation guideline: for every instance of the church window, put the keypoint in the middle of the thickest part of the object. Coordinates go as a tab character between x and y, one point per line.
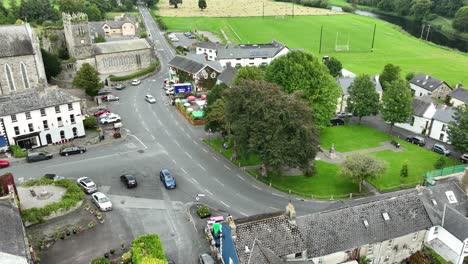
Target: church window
138	59
24	75
9	77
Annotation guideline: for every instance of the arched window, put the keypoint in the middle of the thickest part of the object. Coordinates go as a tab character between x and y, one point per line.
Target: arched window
9	77
24	75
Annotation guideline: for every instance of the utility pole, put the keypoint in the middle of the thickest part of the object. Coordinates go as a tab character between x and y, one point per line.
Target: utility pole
428	29
373	38
422	31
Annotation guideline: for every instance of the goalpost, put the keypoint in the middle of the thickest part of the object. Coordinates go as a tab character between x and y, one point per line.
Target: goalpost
341	47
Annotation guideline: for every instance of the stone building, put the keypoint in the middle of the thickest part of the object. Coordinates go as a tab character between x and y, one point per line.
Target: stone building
185	69
124	25
423	84
21	65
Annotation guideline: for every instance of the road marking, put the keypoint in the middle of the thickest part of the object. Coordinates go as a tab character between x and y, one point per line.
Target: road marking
177	143
194	142
101	157
214	158
208	192
138	140
276	194
243	214
242	178
202	167
227	167
222	184
152	136
187	134
195	181
182	169
274	208
225	204
205	150
188	154
174	161
256	187
165	131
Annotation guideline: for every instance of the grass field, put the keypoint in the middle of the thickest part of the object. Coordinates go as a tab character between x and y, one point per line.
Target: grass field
391	44
351	137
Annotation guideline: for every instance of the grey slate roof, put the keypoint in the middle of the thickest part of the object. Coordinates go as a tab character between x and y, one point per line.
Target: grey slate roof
343	229
201	59
421	104
262	255
120	46
209	45
188	65
227	76
232	51
15	40
34	99
455	223
460	93
426	82
273	231
11	230
346	82
444	115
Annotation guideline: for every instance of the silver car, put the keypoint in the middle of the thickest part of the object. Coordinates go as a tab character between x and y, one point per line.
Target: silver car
87	185
150	99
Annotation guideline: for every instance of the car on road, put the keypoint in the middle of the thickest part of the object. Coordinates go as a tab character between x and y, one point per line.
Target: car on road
464	158
167	179
87	185
150	99
54	177
111	118
101	201
101	111
72	150
129	180
170	91
4	163
110	97
337	122
205	258
136	82
441	149
38	156
417	140
120	86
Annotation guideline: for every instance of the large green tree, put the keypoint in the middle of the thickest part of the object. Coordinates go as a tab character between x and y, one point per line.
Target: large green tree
421	8
52	64
360	168
299	70
175	3
363	99
458	129
460	21
248	73
37	10
334	66
397	103
389	74
275	125
202	4
88	78
215	102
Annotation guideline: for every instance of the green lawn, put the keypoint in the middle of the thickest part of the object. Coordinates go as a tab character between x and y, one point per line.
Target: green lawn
351	137
391	44
216	144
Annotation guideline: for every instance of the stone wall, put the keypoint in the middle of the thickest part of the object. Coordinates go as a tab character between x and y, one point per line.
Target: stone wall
441	91
58	213
14	63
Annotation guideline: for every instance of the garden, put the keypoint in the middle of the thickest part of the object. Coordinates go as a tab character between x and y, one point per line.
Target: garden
192	107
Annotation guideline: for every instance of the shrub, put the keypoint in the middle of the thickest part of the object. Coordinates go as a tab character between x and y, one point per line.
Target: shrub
440	163
431	16
203	211
143	34
161	23
100	260
348	9
139	73
90	122
148	249
17	152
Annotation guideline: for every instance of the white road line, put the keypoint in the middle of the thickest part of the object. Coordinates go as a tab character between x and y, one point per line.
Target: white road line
242	178
195	181
208	192
174	161
227	167
205	150
276	194
187	134
165	131
225	204
243	214
202	167
194	142
152	136
274	208
222	184
101	157
182	169
214	158
177	143
256	187
138	140
188	155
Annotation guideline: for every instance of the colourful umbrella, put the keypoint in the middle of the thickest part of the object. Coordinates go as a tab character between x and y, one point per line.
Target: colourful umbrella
203	96
191	98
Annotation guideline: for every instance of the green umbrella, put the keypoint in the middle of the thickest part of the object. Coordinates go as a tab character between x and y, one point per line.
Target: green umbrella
197	114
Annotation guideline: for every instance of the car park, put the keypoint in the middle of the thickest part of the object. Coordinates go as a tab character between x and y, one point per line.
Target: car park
111	118
4	163
337	122
167	179
136	82
110	97
101	111
72	150
150	99
101	201
129	180
120	86
417	140
205	258
38	156
54	177
441	149
87	185
464	157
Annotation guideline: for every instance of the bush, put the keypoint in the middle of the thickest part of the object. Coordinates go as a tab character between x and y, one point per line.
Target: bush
90	122
139	73
203	211
348	9
440	163
161	23
100	260
148	249
70	198
17	152
431	16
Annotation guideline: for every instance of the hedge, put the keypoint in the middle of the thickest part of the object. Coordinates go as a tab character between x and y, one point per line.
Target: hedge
100	260
139	73
17	152
148	249
70	198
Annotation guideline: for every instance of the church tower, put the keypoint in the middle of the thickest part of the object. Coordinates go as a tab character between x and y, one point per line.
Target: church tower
77	35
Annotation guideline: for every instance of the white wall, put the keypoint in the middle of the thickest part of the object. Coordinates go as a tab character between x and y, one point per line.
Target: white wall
211	53
436	131
456	102
418	125
447	238
418	91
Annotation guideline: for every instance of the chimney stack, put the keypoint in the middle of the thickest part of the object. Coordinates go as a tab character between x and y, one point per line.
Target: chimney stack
291	213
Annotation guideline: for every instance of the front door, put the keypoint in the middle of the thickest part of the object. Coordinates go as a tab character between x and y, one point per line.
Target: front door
49	139
25	143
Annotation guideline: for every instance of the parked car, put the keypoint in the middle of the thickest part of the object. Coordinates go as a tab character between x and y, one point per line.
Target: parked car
170	91
441	149
136	82
112	118
87	185
417	140
150	99
72	150
104	91
38	156
464	157
110	97
205	258
343	114
337	122
170	262
129	180
167	179
120	86
54	177
4	163
101	201
101	111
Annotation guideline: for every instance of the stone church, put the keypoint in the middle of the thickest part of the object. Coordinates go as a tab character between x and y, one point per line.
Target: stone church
107	57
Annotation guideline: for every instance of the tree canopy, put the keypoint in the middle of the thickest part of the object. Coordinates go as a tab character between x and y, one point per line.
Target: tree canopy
88	78
397	103
359	168
389	74
202	4
248	73
299	70
421	8
458	129
334	66
175	3
363	99
214	112
37	10
52	64
275	125
460	21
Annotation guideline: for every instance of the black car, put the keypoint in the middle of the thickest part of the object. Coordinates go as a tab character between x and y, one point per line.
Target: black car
417	140
337	122
129	180
72	150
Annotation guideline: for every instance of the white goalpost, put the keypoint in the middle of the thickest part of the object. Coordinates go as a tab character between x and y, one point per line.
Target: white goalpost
341	47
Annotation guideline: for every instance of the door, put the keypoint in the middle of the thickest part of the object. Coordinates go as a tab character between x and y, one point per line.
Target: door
48	139
25	144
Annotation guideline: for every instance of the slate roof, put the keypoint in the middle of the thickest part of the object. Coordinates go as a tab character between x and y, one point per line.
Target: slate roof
272	230
11	230
15	40
227	76
460	93
346	82
421	104
120	46
343	229
262	255
232	51
34	99
187	64
455	223
209	45
426	82
444	115
201	59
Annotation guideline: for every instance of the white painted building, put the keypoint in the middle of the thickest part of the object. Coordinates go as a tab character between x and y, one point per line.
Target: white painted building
423	84
440	124
40	117
208	49
423	111
459	96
